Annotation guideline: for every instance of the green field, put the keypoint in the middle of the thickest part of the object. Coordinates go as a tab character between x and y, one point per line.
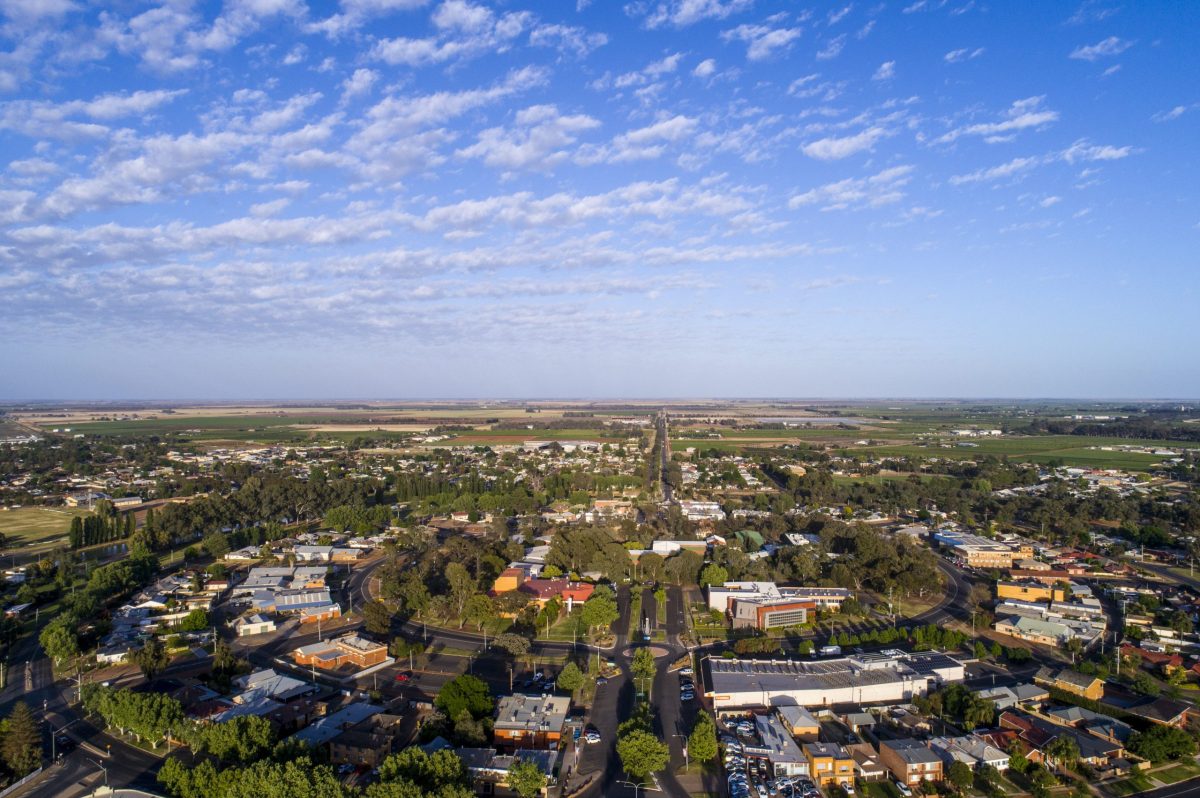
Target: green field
31	525
1070	449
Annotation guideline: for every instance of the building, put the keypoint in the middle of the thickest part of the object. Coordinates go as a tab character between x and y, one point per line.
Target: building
867	764
348	650
253	625
1069	681
888	677
489	769
971	750
977	551
330	727
829	763
530	721
778	746
777	614
799	723
368	742
1029	591
722	597
910	761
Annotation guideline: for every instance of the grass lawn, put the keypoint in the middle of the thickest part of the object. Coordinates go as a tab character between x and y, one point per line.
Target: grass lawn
31	525
1176	773
633	633
880	789
1072	450
563	628
1129	786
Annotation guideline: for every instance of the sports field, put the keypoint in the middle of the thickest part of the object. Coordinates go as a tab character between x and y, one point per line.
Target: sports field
31	525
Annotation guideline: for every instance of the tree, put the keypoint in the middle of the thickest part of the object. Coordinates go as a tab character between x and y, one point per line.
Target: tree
960	775
195	621
713	574
59	638
152	658
516	645
1063	751
642	753
216	544
377	617
702	742
22	745
643	664
526	779
600	610
479	610
570	678
464	692
1160	743
243	739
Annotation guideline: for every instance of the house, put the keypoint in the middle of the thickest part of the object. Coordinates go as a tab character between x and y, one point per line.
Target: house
1165	663
1163	711
568	592
328	728
1074	682
910	761
829	763
253	625
1037	733
974	751
509	580
859	721
867	764
530	721
799	723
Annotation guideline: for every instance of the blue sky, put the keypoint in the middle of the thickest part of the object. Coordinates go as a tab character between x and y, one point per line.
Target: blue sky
397	198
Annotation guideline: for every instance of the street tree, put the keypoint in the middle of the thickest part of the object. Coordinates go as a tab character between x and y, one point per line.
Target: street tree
377	618
464	692
702	742
642	753
516	645
570	678
22	742
961	776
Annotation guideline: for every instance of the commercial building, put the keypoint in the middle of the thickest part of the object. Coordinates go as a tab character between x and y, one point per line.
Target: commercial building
977	551
347	650
778	747
888	677
1029	591
799	723
368	742
722	597
253	625
777	614
530	721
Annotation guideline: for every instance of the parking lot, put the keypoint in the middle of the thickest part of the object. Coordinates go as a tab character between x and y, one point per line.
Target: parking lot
751	776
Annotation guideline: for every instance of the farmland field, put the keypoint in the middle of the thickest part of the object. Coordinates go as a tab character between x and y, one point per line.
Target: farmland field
35	524
1071	450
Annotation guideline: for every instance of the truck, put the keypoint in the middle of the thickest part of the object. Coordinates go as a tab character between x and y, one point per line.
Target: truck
830	651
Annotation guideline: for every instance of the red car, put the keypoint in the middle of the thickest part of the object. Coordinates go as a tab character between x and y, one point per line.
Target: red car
402	677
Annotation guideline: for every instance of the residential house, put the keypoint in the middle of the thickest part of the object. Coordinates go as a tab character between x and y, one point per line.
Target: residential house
367	742
799	723
867	764
910	761
1074	682
829	763
348	650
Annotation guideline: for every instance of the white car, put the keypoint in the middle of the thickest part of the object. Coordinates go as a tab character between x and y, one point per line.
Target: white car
592	737
903	789
848	787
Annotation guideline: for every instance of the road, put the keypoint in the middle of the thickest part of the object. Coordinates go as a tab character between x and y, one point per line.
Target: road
665	450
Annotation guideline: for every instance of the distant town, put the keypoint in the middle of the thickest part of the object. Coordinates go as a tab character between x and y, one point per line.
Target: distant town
751	599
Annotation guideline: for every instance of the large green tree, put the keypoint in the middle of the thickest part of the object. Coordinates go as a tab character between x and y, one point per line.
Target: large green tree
152	658
642	753
526	779
702	742
22	743
464	692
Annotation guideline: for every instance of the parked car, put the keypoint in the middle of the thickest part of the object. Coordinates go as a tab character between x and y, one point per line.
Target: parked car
402	677
600	681
903	789
592	737
686	671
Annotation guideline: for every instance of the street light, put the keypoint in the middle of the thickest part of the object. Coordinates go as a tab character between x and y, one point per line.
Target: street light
100	765
686	762
635	785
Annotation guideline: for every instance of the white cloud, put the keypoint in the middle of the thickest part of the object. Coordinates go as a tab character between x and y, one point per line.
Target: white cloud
1021	115
886	71
356	13
837	16
832	49
762	41
705	68
1013	168
641	144
1101	49
567	39
536	139
963	54
1050	202
358	84
1083	150
880	189
833	148
464	30
1174	113
681	13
